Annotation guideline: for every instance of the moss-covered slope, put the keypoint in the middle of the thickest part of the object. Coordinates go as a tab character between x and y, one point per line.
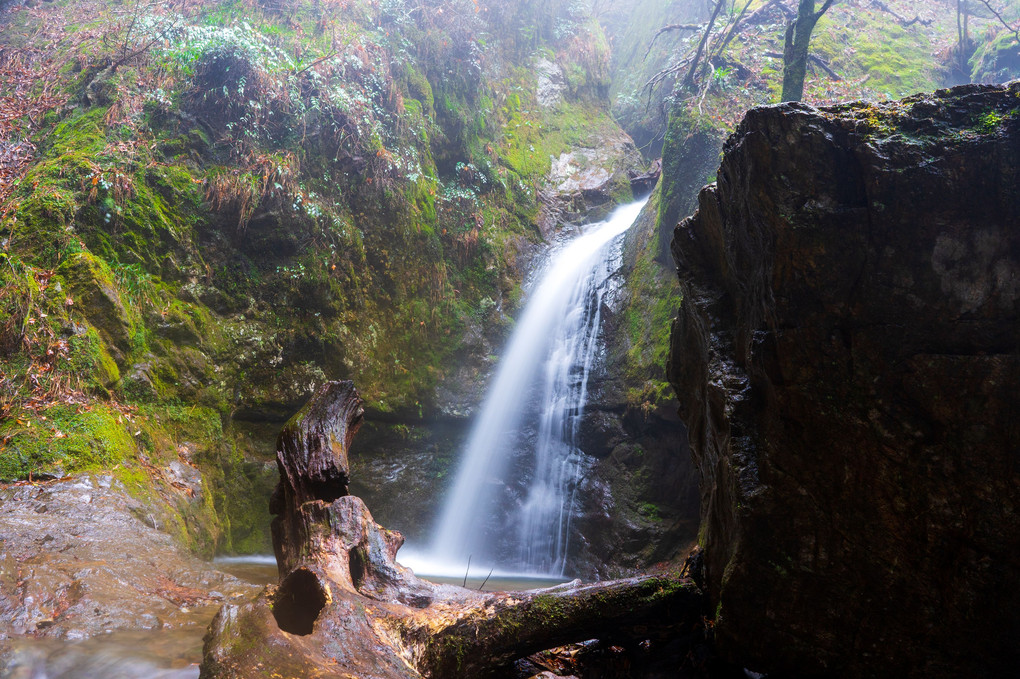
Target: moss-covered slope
219	205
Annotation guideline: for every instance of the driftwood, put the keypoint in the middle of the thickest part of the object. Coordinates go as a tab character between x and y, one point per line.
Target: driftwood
645	182
345	608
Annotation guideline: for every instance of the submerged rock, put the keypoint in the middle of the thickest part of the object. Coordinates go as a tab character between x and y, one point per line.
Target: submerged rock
847	360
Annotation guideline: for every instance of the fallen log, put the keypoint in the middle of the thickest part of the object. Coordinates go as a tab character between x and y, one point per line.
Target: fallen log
522	624
345	608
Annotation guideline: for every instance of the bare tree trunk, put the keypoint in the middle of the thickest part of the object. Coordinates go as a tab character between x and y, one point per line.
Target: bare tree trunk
795	52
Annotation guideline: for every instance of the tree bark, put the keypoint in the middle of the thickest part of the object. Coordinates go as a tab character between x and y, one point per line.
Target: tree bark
620	610
795	53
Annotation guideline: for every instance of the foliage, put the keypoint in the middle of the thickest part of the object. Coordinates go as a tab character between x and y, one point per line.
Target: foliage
217	205
876	50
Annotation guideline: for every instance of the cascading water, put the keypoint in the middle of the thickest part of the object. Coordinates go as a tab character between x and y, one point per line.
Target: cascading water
541	384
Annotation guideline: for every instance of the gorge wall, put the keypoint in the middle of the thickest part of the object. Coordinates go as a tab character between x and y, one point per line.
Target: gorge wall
229	203
846	356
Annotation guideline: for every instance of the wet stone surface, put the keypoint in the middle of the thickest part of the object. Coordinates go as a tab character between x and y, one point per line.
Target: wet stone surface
80	559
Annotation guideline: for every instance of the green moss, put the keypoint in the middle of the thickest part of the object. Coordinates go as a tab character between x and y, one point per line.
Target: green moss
18	292
80	135
66	440
689	156
652	298
419	89
90	359
90	282
996	60
650	511
896	60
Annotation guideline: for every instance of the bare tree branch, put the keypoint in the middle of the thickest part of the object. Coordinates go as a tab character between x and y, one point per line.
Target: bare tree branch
667	29
824	9
733	31
1015	30
814	60
696	60
900	19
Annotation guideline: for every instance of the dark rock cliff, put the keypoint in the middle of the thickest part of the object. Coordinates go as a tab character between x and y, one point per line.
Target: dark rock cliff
847	359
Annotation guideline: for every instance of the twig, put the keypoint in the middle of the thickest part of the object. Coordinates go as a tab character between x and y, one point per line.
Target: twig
162	35
316	62
467	571
1015	31
486	579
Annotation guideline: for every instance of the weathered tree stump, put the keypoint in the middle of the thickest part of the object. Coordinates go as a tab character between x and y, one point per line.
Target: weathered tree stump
345	608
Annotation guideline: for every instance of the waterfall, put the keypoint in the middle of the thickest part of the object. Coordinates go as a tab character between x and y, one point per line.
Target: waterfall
541	387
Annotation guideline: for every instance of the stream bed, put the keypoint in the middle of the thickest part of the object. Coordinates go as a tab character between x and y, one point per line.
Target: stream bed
174	651
122	654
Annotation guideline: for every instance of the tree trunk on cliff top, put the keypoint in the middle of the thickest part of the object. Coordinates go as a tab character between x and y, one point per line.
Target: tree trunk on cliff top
795	53
345	607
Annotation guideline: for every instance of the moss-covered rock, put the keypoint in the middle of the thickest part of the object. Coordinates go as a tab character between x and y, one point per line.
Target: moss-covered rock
90	281
997	60
63	440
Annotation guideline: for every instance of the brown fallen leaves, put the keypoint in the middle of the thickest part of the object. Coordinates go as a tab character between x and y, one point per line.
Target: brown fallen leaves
26	95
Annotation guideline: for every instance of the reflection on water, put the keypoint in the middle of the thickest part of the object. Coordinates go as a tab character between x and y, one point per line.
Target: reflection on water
149	654
257	568
262	571
502	583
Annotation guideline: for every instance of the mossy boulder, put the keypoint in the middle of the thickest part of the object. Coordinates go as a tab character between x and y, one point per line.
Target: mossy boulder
66	440
94	291
90	358
997	60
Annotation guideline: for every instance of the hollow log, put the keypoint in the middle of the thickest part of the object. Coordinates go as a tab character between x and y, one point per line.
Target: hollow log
311	455
345	608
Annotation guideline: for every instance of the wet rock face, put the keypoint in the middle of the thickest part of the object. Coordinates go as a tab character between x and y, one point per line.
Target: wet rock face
79	559
847	358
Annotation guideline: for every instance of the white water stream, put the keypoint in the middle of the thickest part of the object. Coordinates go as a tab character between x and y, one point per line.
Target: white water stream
541	387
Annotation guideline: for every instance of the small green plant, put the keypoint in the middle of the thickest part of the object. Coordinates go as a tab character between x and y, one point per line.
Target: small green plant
650	511
721	76
989	122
